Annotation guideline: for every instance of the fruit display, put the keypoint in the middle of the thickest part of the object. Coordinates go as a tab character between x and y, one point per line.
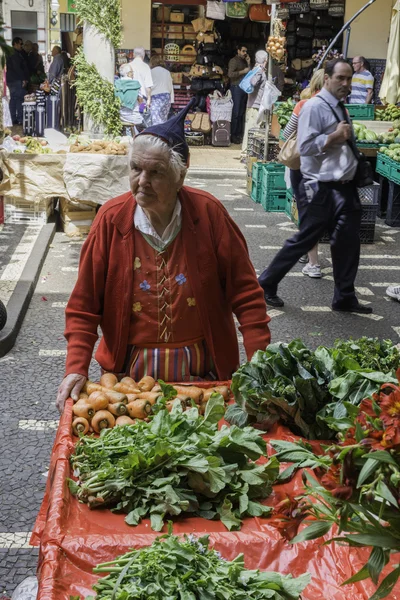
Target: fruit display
31	145
391	112
392	151
363	134
283	111
111	402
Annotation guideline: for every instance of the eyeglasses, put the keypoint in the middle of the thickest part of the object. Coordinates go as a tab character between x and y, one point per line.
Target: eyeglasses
357	63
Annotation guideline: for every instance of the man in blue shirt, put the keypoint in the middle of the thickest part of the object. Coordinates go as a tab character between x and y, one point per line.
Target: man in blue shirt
328	165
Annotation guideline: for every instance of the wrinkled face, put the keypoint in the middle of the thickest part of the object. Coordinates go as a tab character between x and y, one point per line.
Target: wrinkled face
152	181
339	85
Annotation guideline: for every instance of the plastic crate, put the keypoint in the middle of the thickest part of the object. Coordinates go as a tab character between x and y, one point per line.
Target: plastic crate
369	194
367	234
273	178
19	211
255	192
288	204
395	172
393	205
383	164
257	172
275	202
383	196
369	213
361	112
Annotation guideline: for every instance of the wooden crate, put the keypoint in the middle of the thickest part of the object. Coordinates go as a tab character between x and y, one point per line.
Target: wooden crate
77	219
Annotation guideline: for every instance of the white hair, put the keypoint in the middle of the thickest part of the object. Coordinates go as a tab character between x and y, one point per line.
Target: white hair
143	142
125	69
261	55
139	51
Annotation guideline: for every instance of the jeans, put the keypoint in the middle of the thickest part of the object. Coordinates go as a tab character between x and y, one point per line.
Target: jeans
17	93
239	98
335	207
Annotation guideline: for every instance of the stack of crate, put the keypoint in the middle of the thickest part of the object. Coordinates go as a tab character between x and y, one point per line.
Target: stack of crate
268	186
19	211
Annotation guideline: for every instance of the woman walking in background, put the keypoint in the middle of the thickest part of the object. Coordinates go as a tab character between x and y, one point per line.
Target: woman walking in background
162	93
312	269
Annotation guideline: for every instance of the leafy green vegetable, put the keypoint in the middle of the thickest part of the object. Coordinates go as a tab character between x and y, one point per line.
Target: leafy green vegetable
310	392
177	463
187	569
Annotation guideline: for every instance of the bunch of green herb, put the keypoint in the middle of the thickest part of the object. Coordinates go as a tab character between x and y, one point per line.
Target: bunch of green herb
178	463
284	110
96	96
371	353
187	569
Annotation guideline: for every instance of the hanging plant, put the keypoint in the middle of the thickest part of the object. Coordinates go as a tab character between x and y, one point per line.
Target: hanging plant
96	96
104	15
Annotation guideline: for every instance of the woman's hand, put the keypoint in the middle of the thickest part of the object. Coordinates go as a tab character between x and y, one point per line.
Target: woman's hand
70	386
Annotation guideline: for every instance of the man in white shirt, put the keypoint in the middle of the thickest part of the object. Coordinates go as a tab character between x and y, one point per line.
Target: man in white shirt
326	145
140	68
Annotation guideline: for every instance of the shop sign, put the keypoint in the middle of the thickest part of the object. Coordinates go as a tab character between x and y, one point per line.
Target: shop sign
72	6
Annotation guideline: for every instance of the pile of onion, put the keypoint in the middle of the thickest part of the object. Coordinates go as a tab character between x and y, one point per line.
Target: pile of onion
276	46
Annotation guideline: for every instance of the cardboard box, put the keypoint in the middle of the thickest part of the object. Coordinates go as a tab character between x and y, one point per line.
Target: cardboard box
77	219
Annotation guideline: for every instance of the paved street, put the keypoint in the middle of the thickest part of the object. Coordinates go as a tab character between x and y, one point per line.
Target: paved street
31	372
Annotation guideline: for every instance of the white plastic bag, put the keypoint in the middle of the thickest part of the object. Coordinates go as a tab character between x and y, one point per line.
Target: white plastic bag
26	590
7	120
270	96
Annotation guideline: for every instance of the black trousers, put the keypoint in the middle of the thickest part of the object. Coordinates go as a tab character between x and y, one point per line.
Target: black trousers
239	98
335	208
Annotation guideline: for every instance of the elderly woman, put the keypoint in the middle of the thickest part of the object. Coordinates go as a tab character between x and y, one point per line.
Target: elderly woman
162	272
254	99
127	89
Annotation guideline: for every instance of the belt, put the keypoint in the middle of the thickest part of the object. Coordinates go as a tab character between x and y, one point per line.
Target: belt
334	183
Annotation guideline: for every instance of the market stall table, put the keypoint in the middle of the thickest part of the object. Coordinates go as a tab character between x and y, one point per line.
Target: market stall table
73	539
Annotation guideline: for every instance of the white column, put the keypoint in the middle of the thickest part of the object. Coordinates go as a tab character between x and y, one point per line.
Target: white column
99	51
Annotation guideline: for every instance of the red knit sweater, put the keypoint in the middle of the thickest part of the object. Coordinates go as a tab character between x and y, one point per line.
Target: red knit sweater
219	270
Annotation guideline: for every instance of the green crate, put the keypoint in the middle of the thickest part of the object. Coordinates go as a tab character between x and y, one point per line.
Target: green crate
273	202
257	171
395	172
273	178
361	112
255	192
383	164
289	200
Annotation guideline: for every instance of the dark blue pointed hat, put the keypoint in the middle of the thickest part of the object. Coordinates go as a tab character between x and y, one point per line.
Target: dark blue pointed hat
172	132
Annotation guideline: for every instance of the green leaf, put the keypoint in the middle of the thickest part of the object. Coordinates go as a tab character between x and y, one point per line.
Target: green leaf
382	456
313	531
227	516
379	539
255	509
377	560
73	486
287	474
215	409
387	585
368	469
236	416
383	491
168	391
156	521
359	576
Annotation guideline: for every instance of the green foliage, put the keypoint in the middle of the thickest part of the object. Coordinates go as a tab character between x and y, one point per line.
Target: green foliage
105	15
96	96
178	463
187	568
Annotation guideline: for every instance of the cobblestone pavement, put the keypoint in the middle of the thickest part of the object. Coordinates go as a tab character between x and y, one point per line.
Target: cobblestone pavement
31	372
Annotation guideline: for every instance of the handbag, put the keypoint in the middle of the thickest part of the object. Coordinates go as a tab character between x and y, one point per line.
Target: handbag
282	13
306	19
319	4
203	24
336	10
289	154
260	13
364	175
245	84
295	8
305	32
291	27
215	10
236	10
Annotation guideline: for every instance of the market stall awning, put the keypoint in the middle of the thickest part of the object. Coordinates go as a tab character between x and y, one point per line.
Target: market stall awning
390	88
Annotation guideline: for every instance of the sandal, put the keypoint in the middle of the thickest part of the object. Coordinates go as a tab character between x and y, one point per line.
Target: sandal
196	123
205	123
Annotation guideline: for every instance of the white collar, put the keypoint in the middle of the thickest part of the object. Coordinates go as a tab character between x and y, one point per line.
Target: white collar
142	224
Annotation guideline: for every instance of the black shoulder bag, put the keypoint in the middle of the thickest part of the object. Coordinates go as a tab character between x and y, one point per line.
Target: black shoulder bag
364	173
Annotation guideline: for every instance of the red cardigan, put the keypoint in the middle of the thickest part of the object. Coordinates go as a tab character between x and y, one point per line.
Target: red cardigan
220	273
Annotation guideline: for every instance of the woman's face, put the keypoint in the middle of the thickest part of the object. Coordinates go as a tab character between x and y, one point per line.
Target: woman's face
152	181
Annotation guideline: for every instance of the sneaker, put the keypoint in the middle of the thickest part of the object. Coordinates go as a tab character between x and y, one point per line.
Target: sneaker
394	292
304	259
312	271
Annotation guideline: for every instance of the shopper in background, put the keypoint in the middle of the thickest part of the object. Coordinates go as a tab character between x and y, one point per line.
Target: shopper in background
26	50
36	60
316	84
238	66
328	165
162	92
143	72
17	77
127	89
57	66
254	99
362	84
